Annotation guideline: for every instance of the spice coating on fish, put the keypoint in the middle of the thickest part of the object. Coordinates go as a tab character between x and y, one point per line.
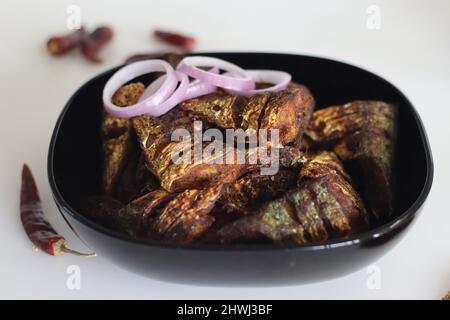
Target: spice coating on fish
117	137
363	134
324	206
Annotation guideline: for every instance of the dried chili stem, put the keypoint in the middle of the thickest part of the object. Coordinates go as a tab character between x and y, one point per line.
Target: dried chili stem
39	230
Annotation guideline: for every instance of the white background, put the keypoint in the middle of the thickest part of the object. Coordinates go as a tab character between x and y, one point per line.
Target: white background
412	50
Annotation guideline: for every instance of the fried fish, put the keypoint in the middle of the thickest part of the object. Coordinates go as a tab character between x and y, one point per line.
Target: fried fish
324	206
362	133
117	134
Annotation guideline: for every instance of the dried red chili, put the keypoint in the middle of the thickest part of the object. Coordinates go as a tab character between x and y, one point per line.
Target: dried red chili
39	230
95	41
59	45
185	42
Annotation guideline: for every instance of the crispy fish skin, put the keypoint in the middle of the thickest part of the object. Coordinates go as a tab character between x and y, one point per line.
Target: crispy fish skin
135	179
343	210
289	112
198	175
307	213
154	133
214	168
336	122
254	188
186	217
144	204
275	221
219	108
229	111
253	110
134	218
154	137
117	137
328	207
362	133
324	206
320	164
368	156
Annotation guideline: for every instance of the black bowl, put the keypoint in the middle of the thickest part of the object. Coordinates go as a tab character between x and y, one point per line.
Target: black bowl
74	173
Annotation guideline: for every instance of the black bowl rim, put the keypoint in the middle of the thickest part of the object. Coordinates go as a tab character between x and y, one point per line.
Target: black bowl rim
356	239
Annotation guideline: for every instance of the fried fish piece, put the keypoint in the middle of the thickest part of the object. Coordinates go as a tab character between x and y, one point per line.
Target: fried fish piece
116	136
276	221
135	179
329	207
324	177
291	156
229	111
133	218
253	110
219	108
321	164
197	175
187	217
368	155
136	217
154	135
253	188
336	122
213	168
362	133
324	206
288	111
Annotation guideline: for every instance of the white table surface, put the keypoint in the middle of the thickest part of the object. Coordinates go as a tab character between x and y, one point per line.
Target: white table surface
411	49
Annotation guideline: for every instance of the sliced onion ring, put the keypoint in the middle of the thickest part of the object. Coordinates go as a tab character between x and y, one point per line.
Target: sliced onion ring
280	79
240	81
177	97
131	71
196	88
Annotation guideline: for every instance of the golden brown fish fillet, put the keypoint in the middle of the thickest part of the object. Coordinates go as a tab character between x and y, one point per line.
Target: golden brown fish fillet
288	111
324	206
135	179
336	122
253	189
187	217
117	137
154	135
362	133
219	108
320	164
276	222
134	218
253	110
